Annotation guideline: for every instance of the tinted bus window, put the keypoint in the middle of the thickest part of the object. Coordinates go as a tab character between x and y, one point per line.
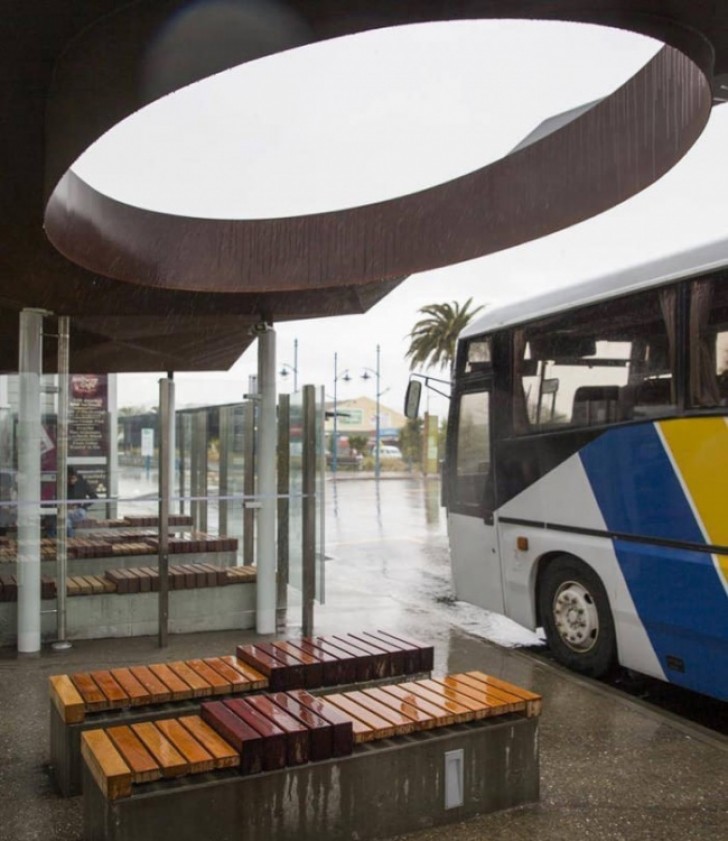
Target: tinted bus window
708	332
604	364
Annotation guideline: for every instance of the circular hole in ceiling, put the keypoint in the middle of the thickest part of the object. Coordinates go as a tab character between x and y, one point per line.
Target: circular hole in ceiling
356	120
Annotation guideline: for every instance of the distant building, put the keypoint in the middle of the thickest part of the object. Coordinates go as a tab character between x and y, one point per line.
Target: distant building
359	417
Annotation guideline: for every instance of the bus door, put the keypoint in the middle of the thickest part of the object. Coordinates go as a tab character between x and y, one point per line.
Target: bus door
470	498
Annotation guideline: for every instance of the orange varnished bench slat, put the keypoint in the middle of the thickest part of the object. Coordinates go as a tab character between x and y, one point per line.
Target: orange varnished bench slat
114	693
478	707
533	701
199	686
198	758
157	689
458	712
237	682
171	762
376	726
402	724
138	695
257	679
220	686
93	697
442	717
144	768
179	690
224	756
500	700
106	764
424	720
67	699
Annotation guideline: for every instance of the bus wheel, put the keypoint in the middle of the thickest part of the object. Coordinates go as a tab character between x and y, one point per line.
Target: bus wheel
576	617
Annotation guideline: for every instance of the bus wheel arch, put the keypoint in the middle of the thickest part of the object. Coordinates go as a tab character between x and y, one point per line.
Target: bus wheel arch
573	608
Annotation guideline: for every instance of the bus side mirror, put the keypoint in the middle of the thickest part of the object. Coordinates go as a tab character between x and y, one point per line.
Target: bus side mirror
412	399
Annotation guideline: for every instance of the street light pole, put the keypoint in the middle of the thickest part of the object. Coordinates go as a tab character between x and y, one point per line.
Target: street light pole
377	428
344	376
295	366
285	367
336	426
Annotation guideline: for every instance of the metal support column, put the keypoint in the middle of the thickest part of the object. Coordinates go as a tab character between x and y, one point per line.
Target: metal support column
309	509
62	483
29	449
284	477
248	482
198	471
267	436
166	477
225	452
112	506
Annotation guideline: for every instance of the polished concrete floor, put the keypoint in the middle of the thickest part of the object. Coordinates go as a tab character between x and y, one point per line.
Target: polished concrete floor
612	769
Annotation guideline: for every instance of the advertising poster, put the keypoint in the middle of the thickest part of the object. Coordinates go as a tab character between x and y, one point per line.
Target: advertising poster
88	436
88	429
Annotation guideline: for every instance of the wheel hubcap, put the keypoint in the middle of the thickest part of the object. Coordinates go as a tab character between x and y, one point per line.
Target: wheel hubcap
575	616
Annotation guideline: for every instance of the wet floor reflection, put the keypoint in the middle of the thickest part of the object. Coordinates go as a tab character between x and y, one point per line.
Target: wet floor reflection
390	563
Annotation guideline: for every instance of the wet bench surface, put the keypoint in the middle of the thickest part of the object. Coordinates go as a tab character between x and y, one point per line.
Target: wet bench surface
132	695
270	731
151	766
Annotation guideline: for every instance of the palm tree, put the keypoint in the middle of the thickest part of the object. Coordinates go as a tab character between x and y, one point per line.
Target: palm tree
433	338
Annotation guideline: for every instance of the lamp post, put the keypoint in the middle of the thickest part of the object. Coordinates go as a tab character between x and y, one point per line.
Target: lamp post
285	367
365	376
346	378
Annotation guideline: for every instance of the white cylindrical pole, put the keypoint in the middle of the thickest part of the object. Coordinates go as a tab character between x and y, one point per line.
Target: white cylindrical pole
29	448
265	621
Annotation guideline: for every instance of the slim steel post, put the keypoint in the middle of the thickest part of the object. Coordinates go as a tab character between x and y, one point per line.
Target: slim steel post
336	425
284	478
377	459
62	484
166	474
309	508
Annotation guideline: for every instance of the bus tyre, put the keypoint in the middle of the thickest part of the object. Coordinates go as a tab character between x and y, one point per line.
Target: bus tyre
576	617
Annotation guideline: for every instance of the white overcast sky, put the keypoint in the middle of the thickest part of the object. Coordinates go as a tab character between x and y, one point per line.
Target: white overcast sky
377	115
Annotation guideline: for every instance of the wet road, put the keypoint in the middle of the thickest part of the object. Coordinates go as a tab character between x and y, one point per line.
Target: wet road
392	538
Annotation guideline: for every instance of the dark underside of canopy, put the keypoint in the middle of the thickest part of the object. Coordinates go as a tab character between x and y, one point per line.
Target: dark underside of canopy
150	292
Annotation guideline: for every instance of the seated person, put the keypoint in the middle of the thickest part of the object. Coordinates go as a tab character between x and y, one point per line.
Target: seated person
78	489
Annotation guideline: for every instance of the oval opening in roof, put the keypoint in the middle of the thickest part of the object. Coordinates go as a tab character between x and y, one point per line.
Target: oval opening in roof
356	120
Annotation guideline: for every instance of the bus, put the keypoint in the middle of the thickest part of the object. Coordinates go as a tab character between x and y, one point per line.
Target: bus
586	469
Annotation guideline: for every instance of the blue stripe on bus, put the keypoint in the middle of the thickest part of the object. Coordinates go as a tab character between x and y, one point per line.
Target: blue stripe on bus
683	611
636	487
678	594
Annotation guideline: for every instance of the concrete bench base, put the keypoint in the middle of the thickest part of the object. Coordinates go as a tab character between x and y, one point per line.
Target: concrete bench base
383	789
135	614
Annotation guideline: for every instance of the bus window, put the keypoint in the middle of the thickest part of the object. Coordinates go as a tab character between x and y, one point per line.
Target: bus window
472	456
708	332
478	355
603	364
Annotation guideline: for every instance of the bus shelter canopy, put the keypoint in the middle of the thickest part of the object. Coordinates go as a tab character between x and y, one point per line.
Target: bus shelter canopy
154	291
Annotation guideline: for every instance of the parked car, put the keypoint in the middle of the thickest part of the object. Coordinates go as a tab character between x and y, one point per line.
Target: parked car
389	451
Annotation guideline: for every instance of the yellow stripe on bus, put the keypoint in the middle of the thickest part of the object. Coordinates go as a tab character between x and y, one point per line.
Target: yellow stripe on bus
699	448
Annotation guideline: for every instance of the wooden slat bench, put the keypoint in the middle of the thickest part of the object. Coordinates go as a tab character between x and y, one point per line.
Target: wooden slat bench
119	543
136	580
280	750
86	700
